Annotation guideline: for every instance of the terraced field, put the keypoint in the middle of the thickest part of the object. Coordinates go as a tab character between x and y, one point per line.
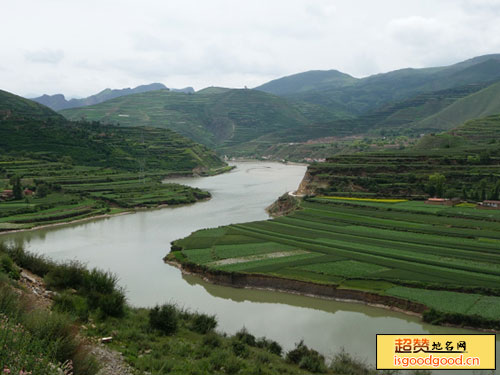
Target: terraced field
403	249
78	192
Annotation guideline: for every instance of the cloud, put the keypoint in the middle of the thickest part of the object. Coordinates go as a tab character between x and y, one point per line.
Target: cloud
124	43
416	31
45	56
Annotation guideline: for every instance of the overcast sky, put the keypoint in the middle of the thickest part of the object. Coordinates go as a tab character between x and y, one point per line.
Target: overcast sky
81	47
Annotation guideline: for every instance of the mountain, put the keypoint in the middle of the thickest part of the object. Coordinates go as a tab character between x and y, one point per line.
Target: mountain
301	82
58	102
359	96
185	90
216	117
483	103
32	129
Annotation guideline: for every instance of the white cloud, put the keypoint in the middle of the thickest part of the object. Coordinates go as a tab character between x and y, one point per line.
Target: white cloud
79	48
48	56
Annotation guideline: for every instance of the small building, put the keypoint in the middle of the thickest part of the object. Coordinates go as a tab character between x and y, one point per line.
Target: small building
493	205
443	201
6	194
28	192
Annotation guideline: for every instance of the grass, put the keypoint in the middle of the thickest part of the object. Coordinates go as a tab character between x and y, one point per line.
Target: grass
33	340
399	249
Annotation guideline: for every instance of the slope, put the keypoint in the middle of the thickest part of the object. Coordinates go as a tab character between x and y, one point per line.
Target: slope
480	104
32	129
306	81
366	94
215	117
468	157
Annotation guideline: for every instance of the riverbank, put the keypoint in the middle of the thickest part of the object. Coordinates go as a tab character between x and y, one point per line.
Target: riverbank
95	197
309	289
303	288
90	218
96	337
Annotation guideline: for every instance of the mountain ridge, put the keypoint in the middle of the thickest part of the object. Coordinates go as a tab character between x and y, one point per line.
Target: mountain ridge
58	102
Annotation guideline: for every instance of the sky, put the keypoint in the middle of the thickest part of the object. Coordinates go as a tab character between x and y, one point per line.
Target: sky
78	48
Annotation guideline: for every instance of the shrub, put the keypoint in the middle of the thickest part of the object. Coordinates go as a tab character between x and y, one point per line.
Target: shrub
164	318
9	302
56	328
240	349
203	323
99	281
232	366
8	266
73	304
270	345
68	275
98	287
344	363
212	340
244	336
35	263
305	358
313	362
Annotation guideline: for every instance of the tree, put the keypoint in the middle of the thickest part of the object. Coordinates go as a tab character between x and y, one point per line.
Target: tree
42	190
437	184
17	189
484	157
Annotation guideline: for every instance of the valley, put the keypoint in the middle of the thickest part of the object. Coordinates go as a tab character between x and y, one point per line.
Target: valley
392	223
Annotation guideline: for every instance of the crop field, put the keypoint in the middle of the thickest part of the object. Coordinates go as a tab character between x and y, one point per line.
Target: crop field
400	249
78	192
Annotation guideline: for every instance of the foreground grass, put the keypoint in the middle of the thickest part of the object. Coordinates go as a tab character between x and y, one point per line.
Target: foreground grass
444	258
162	340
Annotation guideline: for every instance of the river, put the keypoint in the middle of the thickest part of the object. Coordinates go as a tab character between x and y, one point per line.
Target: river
132	246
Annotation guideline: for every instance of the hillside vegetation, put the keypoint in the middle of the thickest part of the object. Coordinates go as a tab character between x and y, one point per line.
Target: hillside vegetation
57	171
215	117
483	103
313	105
365	94
468	158
32	129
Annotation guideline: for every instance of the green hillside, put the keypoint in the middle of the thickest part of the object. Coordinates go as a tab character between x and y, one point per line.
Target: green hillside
366	94
60	171
215	117
29	128
468	157
480	104
16	107
306	81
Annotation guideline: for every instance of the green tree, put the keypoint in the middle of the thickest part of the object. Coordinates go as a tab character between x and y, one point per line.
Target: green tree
437	184
484	157
42	190
17	189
